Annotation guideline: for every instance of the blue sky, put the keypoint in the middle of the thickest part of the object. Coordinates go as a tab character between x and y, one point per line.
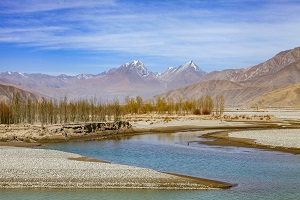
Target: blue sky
89	36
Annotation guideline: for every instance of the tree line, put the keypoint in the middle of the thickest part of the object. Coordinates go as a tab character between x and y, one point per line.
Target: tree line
53	111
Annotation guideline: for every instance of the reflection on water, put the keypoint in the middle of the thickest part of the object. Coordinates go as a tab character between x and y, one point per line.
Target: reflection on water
182	138
259	174
169	138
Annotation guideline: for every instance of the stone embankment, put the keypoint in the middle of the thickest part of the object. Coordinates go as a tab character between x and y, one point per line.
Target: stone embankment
51	133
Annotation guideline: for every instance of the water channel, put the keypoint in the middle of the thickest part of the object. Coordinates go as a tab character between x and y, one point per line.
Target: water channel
260	174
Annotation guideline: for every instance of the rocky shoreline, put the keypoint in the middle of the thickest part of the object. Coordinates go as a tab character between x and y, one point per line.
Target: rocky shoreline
37	168
40	168
283	140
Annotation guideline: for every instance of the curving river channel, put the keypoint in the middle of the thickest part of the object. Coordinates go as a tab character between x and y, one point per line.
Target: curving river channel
259	174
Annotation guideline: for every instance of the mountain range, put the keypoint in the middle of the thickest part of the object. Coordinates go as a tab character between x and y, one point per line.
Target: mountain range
130	79
238	86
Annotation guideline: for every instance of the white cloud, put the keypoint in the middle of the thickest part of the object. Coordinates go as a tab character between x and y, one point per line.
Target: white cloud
227	36
27	6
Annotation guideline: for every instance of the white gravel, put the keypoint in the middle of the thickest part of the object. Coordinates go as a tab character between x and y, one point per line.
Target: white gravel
284	138
38	168
187	122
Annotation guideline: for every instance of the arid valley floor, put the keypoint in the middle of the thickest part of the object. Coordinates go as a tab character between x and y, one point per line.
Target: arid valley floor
35	168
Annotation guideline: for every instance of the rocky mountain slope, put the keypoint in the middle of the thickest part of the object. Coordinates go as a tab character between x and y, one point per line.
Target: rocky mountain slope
130	79
183	75
287	97
242	85
271	66
7	92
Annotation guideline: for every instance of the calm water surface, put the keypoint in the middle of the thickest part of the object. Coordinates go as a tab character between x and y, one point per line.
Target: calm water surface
259	174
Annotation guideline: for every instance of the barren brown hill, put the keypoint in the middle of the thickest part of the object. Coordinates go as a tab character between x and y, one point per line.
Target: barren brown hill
7	92
286	97
234	93
243	85
287	76
271	66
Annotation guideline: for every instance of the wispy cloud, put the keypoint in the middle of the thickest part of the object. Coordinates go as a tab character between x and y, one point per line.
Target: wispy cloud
226	33
29	6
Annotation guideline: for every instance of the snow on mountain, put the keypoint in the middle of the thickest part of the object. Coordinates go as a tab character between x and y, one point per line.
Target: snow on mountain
136	66
22	74
183	75
168	72
189	67
14	74
84	76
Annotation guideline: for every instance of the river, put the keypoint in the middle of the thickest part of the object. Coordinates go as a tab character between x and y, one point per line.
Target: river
259	174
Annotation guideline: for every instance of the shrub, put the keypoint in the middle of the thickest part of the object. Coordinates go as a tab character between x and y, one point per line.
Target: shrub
206	112
197	112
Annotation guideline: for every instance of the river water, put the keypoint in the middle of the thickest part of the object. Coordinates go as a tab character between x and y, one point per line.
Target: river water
259	174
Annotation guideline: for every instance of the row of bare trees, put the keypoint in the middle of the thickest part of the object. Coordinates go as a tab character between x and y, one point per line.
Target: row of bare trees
56	111
202	106
80	111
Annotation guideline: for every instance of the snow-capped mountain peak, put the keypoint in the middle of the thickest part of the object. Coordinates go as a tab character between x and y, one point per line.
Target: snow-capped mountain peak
135	62
137	66
84	76
23	74
192	67
168	71
182	75
189	65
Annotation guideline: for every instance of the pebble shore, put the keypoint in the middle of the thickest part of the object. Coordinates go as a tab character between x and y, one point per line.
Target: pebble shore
289	138
40	168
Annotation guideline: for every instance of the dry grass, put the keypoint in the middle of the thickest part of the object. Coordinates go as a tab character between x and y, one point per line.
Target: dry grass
248	117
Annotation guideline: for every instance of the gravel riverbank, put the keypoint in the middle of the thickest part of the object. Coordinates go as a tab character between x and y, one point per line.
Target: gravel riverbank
289	138
40	168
